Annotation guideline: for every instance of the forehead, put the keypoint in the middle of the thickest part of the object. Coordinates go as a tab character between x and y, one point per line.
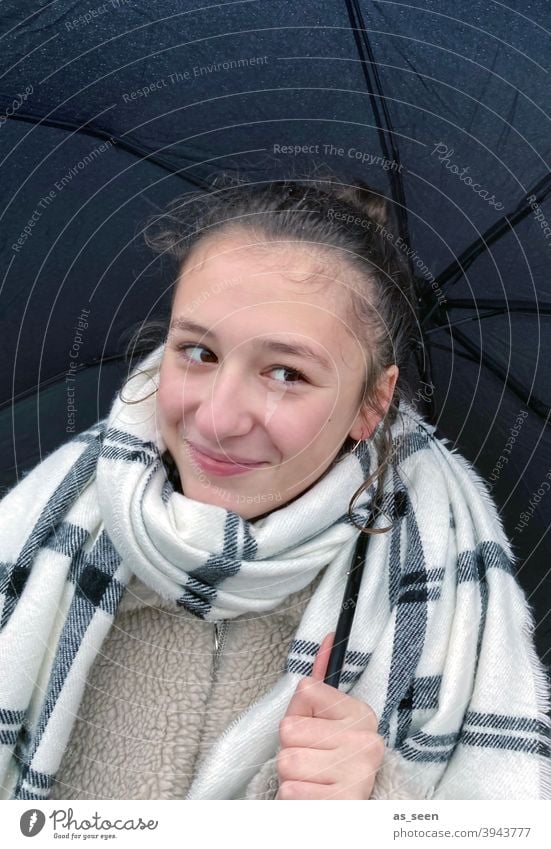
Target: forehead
269	288
243	266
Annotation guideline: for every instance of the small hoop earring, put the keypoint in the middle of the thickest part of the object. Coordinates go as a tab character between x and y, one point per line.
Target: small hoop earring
356	445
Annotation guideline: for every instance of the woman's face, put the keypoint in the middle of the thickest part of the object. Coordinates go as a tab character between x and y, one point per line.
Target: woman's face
259	369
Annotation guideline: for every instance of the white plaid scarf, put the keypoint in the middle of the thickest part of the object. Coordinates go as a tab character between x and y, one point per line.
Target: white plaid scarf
442	640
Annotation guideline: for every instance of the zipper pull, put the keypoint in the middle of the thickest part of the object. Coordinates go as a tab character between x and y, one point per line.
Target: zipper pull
220	629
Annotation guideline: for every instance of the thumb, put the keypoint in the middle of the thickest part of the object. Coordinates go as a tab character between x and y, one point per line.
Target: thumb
322	658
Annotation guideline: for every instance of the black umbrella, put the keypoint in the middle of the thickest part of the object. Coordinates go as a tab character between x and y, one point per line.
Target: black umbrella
108	113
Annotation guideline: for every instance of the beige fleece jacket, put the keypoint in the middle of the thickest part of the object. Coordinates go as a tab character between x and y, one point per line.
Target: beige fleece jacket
155	701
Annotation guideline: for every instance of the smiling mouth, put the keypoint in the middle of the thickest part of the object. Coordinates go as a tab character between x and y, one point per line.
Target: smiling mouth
214	464
231	460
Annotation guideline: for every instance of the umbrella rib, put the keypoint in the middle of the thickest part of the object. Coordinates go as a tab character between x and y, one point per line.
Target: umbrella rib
130	147
457	268
499	305
494	366
359	30
505	310
55	378
459	321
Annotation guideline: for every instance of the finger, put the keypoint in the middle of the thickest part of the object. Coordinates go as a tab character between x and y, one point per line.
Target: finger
322	658
348	765
317	733
299	764
315	698
290	790
310	732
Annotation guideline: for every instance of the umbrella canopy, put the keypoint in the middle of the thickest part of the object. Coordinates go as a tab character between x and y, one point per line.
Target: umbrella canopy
109	112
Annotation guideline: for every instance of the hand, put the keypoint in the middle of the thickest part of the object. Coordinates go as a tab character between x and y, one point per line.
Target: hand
330	748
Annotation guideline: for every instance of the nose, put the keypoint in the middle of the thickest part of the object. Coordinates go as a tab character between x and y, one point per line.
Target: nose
227	407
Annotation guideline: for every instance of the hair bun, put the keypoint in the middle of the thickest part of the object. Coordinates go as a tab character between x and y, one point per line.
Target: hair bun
368	200
359	196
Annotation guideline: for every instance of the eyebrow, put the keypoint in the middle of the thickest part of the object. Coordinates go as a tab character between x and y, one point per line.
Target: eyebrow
278	346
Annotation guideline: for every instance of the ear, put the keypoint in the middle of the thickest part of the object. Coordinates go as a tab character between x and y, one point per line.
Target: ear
367	420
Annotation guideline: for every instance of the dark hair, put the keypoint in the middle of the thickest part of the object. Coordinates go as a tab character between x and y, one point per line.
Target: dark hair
336	220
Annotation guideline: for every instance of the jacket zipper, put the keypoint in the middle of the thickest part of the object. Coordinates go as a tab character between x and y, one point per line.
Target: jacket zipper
220	635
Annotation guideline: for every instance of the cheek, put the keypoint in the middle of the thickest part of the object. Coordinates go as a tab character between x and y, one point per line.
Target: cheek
170	396
300	433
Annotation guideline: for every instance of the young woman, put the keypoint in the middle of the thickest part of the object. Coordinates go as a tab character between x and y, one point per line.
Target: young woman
172	577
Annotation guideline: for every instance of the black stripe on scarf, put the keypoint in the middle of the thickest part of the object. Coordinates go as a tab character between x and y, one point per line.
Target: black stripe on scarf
13	577
98	589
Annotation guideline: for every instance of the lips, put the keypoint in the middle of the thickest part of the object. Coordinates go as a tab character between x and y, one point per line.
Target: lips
238	461
217	466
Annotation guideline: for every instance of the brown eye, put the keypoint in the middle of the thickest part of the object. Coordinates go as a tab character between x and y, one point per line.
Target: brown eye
300	378
184	348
